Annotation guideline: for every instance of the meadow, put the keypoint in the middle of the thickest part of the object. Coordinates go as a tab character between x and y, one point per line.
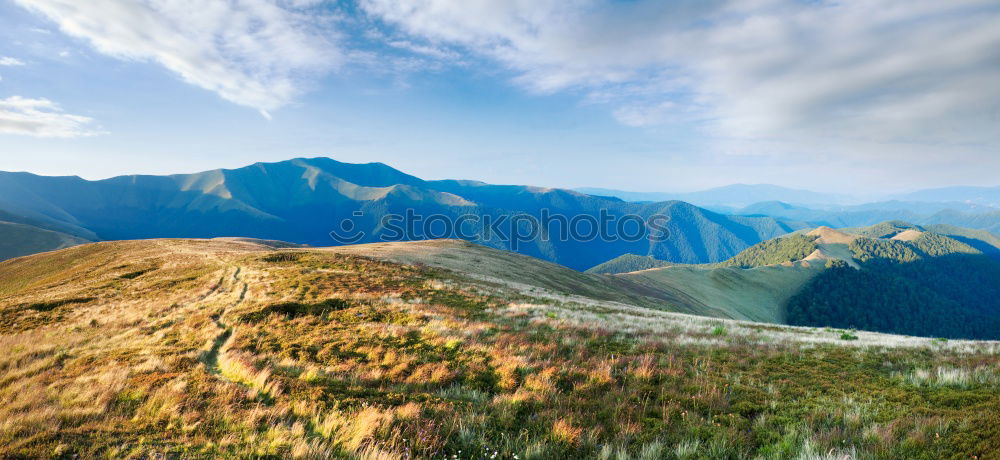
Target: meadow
228	348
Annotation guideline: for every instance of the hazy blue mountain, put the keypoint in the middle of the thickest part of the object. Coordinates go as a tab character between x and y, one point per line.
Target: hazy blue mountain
303	200
986	196
628	196
921	207
950	213
730	196
984	221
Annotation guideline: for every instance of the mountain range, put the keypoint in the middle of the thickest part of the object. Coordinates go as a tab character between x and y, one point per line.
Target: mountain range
736	196
304	200
924	213
727	197
984	196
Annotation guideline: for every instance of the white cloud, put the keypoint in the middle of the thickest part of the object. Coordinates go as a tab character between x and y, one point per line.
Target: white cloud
888	71
257	53
431	51
7	61
41	118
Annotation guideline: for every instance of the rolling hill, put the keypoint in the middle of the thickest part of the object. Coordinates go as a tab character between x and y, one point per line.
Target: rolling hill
18	240
304	200
246	348
891	277
628	263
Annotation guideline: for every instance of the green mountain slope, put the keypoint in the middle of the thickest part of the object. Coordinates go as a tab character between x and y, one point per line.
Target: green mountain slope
982	240
772	252
927	284
780	250
891	277
756	294
628	263
18	240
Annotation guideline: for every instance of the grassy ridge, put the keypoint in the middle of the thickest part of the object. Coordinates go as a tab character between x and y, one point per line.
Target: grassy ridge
628	263
771	252
757	294
231	349
19	240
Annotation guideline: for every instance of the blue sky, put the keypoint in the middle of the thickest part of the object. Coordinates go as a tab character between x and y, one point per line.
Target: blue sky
854	95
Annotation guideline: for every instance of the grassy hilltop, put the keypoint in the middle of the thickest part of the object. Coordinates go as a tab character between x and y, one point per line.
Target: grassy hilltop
237	348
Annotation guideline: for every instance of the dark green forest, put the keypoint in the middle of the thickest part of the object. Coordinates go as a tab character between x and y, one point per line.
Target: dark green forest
933	286
628	263
776	251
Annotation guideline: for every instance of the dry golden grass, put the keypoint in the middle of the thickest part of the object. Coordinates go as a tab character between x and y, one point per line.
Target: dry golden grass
228	348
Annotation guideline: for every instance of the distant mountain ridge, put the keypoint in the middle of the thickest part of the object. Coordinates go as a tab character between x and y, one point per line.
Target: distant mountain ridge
303	200
730	196
986	196
959	214
737	196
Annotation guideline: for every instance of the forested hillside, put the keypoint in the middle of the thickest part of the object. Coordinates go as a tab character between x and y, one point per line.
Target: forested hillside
931	286
628	263
776	251
771	252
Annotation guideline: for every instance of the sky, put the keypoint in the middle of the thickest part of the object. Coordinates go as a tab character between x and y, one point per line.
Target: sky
862	96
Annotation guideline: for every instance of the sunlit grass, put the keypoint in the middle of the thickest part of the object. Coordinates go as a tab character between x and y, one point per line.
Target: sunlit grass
340	356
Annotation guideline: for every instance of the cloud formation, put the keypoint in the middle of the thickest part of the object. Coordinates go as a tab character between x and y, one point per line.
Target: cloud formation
41	118
7	61
889	71
256	53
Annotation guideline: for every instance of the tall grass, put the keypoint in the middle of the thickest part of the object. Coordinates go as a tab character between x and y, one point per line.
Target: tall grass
419	363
